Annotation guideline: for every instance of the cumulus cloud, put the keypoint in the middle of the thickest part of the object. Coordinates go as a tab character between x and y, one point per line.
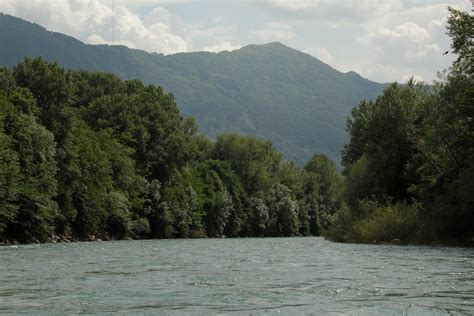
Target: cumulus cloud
411	41
408	40
273	31
96	22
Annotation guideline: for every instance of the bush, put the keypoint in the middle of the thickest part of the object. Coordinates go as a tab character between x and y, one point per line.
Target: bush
398	222
140	228
378	223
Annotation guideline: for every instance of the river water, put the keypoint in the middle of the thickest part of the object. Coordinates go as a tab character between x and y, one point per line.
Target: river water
291	276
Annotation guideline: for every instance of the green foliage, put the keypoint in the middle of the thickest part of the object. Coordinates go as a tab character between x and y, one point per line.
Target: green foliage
7	82
9	174
461	30
148	122
327	200
87	155
386	132
254	161
213	182
454	218
283	212
399	222
52	91
395	223
358	183
310	202
35	151
260	219
140	228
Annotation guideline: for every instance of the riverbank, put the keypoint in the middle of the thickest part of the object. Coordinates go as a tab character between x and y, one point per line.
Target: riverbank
58	239
68	239
353	235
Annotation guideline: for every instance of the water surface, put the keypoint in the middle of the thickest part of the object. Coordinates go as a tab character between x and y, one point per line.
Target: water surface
236	276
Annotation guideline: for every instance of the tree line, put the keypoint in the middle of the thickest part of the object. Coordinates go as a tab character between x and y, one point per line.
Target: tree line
86	155
409	164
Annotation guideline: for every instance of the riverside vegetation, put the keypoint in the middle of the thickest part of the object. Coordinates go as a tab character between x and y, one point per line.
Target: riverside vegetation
409	164
87	155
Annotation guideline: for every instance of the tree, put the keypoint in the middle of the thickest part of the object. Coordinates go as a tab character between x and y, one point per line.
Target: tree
260	218
408	164
147	121
461	30
88	155
283	212
445	169
9	175
387	132
254	161
7	82
49	84
329	188
36	151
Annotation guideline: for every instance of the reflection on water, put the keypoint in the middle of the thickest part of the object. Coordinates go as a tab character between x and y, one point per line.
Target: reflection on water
241	276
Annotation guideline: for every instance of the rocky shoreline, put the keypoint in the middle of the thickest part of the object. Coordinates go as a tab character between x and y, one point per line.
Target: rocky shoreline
52	240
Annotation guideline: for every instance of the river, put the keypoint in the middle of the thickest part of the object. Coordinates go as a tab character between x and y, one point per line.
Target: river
236	276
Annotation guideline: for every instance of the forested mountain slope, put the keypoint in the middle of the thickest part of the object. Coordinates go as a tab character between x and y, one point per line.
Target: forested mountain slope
270	91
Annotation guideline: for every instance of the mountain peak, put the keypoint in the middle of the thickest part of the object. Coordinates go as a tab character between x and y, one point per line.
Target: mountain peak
268	46
275	45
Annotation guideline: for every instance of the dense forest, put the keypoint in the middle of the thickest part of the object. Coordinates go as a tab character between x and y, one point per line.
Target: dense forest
86	155
409	165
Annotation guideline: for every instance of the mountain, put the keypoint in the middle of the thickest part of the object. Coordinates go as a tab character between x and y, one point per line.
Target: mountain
270	91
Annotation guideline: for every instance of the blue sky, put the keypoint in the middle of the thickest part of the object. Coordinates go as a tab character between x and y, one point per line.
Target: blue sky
384	41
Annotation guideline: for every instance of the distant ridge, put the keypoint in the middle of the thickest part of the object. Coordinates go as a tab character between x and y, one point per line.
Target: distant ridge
270	91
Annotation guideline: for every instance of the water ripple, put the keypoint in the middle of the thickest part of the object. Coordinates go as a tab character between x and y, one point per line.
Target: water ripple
241	276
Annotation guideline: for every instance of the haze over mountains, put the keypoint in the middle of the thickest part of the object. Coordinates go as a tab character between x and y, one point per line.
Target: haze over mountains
270	91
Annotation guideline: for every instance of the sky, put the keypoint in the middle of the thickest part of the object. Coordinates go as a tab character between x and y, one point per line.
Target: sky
383	40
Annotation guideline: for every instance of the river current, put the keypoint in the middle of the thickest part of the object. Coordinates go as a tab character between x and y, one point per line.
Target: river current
287	276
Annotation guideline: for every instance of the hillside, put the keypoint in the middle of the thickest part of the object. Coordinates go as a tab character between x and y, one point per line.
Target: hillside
270	91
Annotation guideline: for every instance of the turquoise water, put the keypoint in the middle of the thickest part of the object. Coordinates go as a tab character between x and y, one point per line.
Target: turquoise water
289	276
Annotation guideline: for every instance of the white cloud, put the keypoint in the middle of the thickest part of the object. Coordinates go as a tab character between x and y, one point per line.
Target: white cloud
94	22
331	10
408	40
273	31
159	14
151	2
407	43
225	46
